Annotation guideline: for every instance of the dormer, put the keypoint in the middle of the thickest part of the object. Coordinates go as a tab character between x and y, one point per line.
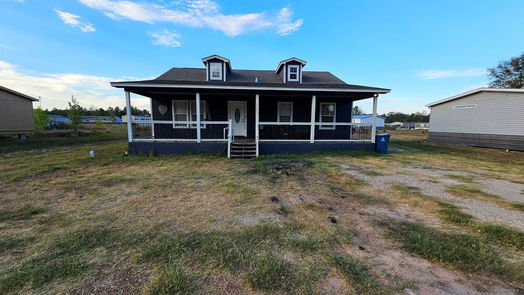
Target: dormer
217	67
290	70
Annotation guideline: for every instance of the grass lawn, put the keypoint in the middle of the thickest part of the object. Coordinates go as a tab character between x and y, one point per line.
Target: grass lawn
282	224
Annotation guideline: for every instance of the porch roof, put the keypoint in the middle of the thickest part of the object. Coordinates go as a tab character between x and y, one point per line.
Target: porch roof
245	80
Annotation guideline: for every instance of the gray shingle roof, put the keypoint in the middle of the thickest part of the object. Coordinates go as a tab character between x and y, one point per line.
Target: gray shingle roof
266	78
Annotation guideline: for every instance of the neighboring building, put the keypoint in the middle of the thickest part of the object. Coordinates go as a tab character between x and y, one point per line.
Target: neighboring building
100	119
422	125
486	117
136	118
366	119
249	112
57	121
17	112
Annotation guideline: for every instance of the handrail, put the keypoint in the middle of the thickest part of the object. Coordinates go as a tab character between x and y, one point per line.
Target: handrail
229	137
316	123
178	122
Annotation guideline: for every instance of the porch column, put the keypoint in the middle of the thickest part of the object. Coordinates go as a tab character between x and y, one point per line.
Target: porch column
257	120
374	118
313	110
199	139
128	115
152	120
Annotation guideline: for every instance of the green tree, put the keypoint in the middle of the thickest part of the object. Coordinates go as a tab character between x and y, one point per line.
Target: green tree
357	111
41	120
74	112
508	73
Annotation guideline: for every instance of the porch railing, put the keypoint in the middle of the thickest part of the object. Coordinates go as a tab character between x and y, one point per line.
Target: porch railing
323	132
174	131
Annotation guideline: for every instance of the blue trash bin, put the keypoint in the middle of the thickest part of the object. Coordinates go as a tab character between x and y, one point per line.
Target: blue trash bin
381	143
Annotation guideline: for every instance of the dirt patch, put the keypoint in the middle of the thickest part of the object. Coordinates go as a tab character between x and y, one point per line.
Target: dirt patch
286	167
422	179
111	281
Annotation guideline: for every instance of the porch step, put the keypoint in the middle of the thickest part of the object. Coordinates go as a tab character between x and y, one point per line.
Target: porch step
243	150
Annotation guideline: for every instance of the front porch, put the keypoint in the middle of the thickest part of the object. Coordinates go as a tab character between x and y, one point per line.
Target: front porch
271	122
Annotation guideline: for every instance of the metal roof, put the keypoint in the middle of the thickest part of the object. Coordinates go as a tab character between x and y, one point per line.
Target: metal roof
458	96
18	93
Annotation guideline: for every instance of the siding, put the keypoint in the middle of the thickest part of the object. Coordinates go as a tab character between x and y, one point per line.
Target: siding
17	114
495	113
511	142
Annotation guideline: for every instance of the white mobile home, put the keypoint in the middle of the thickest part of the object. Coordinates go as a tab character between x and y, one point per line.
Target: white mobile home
485	117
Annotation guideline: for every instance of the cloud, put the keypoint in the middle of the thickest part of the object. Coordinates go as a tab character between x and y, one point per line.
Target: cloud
74	21
166	38
454	73
56	88
198	14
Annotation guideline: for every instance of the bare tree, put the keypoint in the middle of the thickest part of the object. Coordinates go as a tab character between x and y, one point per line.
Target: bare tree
508	73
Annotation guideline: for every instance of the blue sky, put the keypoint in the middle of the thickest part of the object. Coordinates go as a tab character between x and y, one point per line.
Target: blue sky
422	50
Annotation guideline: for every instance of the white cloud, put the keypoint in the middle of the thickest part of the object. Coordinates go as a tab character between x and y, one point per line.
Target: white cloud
166	38
56	88
198	14
75	21
453	73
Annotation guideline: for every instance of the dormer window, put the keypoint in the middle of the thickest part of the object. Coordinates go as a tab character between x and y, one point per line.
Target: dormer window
215	69
292	73
290	70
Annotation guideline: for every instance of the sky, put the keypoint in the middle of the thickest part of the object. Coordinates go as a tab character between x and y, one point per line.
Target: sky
423	50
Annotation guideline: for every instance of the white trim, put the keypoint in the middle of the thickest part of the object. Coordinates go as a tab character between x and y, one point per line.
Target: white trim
278	110
257	121
129	117
313	110
221	71
289	73
188	118
189	112
230	87
334	127
151	110
474	92
178	122
205	59
198	119
345	124
303	62
286	123
374	119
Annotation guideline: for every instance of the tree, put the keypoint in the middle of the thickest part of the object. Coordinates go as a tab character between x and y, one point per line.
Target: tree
41	120
508	74
74	112
357	111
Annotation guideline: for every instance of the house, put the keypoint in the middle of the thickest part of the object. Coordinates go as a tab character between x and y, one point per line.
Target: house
366	119
17	109
485	117
57	121
422	125
100	119
248	112
136	118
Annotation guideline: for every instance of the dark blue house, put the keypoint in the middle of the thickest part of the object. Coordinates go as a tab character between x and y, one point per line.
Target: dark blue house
249	112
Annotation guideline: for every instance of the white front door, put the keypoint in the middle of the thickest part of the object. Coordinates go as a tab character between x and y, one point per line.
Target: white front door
238	113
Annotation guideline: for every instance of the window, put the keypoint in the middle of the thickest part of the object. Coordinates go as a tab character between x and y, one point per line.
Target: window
327	114
202	113
215	69
285	112
292	73
185	110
